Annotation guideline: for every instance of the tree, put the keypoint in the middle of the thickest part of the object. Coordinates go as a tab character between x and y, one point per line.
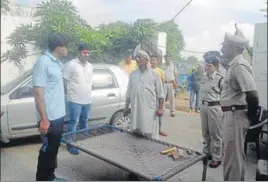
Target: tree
121	40
124	37
192	59
53	15
175	40
5	6
108	43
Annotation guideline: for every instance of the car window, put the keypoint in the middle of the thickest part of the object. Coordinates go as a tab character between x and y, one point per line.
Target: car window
102	79
25	91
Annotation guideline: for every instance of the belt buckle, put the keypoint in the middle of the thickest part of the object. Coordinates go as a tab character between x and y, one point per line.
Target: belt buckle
205	103
233	108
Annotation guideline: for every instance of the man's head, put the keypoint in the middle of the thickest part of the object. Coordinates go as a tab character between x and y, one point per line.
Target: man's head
232	46
168	58
57	44
142	59
128	59
212	64
84	52
154	61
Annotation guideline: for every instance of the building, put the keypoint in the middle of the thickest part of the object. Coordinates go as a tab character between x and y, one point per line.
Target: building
9	21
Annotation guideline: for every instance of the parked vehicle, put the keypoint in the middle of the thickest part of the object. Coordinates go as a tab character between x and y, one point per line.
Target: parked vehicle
109	87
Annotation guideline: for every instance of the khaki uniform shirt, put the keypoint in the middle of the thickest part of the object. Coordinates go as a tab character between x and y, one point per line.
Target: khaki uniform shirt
170	72
211	87
238	79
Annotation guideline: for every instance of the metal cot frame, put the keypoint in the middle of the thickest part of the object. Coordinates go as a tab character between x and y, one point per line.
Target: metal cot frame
71	138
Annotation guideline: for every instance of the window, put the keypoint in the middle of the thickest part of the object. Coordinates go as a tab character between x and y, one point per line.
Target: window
102	79
25	91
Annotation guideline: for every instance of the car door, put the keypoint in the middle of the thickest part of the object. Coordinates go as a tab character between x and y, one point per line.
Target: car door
105	95
22	111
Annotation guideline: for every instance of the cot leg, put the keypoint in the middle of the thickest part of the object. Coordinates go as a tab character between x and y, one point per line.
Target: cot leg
205	166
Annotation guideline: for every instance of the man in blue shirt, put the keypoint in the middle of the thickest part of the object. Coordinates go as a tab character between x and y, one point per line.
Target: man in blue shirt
50	103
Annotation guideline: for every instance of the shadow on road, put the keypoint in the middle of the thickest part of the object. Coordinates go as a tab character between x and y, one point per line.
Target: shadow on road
22	142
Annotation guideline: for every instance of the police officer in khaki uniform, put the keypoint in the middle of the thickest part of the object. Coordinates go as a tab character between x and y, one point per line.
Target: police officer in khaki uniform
210	110
171	83
239	101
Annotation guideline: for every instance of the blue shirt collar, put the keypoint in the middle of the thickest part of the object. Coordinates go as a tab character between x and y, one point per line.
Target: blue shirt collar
53	58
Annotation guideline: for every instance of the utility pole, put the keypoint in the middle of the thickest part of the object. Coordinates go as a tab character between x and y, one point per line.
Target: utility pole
181	10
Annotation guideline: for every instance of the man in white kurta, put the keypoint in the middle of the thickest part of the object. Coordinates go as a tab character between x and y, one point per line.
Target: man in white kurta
145	96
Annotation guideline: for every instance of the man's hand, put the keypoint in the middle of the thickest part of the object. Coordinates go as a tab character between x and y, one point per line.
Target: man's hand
44	126
126	112
160	112
175	85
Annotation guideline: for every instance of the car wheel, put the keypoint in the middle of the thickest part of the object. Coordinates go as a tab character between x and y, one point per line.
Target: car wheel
120	121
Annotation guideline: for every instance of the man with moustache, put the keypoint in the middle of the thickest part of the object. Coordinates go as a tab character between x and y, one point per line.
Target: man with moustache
78	83
145	94
239	101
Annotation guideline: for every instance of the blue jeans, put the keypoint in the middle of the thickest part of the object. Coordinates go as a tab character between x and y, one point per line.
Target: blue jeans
194	94
78	112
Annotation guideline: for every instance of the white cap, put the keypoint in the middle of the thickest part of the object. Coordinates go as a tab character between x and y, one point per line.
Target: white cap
235	40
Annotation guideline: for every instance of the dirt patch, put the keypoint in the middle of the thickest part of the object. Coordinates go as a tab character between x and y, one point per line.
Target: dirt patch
182	103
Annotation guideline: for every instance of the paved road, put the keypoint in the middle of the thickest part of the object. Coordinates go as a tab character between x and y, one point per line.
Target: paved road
19	159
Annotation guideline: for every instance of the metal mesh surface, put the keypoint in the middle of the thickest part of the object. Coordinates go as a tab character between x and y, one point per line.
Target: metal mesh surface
132	152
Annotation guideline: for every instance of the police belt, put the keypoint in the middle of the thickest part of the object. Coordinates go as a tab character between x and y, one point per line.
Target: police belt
212	103
234	108
169	81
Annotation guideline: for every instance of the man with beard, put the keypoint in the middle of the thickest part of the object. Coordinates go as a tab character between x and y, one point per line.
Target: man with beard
239	101
145	94
78	83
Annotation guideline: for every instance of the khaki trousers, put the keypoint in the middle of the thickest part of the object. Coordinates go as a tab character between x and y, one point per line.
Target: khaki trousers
211	123
235	129
169	94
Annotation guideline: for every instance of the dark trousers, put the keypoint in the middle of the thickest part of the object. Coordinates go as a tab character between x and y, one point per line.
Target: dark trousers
47	159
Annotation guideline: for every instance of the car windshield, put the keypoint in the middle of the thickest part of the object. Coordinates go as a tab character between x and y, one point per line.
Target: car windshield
9	86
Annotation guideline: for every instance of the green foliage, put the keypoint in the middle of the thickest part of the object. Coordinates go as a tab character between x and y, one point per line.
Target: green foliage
53	15
109	43
175	40
192	59
5	6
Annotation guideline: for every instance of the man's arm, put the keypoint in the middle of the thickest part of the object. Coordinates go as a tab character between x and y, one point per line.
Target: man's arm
176	74
128	95
67	73
40	102
160	92
247	85
39	83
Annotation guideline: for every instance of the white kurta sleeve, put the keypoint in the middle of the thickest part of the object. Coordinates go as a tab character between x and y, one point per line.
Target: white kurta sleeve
129	88
159	87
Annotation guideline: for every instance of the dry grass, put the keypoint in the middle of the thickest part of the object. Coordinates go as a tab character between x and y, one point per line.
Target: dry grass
182	103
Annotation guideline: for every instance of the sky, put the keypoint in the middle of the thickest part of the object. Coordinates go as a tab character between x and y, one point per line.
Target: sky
203	22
